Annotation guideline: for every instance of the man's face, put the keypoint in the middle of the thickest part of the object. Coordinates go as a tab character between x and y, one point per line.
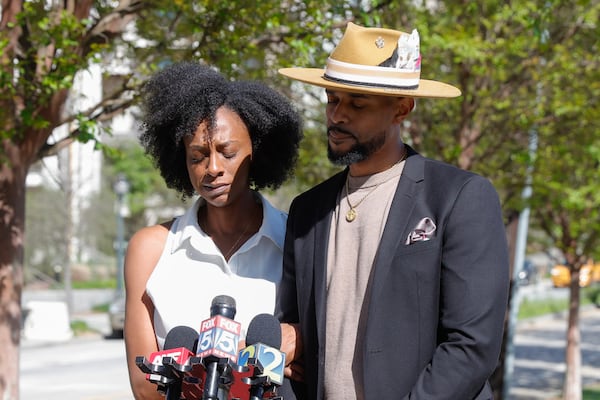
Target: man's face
359	125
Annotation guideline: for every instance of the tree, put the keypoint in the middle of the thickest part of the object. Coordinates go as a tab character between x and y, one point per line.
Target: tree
566	193
40	51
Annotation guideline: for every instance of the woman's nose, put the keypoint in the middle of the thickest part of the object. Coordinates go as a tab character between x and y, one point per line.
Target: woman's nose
215	165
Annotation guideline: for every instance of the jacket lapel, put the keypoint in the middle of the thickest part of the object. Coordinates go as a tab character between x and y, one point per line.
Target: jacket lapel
396	225
328	203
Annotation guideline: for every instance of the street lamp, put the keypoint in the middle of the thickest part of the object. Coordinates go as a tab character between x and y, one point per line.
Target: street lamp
121	188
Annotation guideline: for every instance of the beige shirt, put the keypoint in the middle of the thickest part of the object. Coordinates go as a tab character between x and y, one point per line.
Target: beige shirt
351	253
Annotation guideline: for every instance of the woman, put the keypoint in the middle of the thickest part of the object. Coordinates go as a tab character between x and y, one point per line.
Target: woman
222	141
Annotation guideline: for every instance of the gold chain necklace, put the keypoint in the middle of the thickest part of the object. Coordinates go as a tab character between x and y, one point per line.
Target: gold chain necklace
353	212
231	250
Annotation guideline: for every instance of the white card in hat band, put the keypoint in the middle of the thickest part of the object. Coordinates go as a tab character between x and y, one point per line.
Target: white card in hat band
371	75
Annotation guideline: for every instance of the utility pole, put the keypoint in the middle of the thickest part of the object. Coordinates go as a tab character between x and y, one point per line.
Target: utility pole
121	188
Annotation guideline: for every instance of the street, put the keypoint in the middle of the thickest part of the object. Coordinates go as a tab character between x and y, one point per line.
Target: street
84	368
540	355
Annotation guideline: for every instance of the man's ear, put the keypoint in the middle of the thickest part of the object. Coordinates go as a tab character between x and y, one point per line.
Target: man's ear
405	106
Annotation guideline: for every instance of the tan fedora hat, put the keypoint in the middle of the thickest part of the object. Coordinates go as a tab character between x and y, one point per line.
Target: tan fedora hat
375	61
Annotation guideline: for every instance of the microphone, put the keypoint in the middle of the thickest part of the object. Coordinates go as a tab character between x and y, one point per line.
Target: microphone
164	368
264	340
218	345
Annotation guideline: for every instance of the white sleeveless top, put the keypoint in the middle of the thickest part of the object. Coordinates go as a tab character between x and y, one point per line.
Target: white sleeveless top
191	271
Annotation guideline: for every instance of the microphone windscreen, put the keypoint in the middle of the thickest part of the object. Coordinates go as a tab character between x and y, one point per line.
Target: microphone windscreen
265	329
223	305
181	336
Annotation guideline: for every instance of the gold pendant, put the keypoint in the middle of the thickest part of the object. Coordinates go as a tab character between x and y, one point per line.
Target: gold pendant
351	215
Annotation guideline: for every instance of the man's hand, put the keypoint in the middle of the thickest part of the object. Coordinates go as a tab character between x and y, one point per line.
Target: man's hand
291	345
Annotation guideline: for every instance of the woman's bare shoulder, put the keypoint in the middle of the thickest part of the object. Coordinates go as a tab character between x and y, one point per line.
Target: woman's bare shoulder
146	246
151	234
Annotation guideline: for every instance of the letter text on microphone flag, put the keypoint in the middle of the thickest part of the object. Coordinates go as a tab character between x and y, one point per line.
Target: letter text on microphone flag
219	337
178	349
271	360
179	355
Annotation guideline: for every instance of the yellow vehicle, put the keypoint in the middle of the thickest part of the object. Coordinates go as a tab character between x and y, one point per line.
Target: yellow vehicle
561	277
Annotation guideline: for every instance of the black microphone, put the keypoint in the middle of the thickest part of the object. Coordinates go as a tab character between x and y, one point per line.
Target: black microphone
266	329
223	305
164	367
218	345
179	337
264	340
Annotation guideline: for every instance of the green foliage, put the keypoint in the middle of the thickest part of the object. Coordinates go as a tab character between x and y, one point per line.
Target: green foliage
593	294
144	180
47	61
229	36
566	193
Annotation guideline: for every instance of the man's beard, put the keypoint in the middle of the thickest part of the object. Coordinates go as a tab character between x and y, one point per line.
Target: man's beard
358	152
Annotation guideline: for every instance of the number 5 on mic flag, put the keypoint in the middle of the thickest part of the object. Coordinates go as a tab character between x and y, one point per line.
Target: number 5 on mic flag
271	360
219	337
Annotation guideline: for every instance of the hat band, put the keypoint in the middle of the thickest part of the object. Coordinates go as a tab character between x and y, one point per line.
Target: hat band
357	74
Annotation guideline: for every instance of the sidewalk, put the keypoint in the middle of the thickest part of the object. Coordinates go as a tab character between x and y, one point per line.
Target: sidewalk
540	355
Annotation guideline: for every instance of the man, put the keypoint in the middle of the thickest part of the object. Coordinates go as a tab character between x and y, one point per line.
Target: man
396	269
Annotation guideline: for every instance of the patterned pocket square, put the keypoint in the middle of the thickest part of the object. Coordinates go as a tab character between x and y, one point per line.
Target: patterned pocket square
424	231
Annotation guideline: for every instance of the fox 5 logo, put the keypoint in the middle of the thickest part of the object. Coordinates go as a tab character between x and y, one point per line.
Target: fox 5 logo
218	342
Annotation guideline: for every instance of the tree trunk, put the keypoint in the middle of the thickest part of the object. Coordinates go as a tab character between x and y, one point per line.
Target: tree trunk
12	224
572	388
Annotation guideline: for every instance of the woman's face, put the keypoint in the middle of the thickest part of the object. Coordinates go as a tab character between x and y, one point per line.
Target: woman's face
218	158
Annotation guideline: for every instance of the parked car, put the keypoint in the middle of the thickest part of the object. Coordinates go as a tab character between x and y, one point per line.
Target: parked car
561	276
116	315
528	274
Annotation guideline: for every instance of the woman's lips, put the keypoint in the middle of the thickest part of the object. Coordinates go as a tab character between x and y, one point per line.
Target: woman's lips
216	190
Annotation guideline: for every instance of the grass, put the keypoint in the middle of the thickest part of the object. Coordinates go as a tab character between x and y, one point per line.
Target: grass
95	284
591	393
537	308
80	328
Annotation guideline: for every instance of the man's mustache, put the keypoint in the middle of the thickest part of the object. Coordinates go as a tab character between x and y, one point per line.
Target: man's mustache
340	130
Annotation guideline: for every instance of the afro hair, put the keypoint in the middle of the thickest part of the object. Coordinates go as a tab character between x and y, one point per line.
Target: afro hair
183	95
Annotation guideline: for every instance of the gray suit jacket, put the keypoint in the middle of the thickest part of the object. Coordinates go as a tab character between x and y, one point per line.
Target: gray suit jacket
436	311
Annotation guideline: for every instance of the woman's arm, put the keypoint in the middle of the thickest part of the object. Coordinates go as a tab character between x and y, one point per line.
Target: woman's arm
143	252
